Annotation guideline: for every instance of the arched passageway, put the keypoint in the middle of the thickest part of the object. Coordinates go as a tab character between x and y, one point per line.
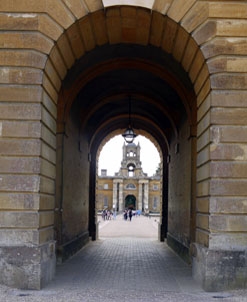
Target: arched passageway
93	107
162	108
69	70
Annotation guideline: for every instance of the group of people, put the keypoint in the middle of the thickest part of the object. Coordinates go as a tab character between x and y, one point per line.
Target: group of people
129	213
106	215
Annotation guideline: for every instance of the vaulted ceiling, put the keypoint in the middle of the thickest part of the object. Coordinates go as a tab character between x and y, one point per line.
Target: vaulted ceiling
107	77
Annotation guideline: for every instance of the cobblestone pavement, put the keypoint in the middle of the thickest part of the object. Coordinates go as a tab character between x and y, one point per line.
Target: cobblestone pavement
127	263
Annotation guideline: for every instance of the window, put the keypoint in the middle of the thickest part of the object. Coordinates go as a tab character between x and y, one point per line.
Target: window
155	187
106	186
130	186
105	201
155	203
131	169
131	154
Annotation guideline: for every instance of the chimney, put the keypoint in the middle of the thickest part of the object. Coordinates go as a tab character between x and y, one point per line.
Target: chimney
103	172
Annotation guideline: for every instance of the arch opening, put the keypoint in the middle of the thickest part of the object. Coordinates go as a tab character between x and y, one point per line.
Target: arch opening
100	110
115	158
130	202
93	107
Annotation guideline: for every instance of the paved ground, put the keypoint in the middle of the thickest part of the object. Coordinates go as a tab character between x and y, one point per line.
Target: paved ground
127	263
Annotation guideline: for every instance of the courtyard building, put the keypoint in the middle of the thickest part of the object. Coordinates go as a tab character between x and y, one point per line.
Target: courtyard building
130	188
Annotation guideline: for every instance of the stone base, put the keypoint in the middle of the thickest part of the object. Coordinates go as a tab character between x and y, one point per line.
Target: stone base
27	267
68	249
219	270
179	248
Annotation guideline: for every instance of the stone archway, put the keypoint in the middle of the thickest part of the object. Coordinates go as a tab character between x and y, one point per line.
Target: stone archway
42	43
179	82
130	202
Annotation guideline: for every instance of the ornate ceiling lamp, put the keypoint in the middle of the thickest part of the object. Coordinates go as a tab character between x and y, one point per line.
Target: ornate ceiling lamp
129	135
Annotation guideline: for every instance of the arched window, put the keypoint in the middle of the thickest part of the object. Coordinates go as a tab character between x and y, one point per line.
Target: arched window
131	154
130	186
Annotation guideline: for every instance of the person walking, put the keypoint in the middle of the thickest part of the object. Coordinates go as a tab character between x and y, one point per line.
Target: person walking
125	215
130	214
103	214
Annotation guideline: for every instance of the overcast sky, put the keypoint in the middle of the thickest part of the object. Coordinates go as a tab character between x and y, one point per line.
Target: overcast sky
111	155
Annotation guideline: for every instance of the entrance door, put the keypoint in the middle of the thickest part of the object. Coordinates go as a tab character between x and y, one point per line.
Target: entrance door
130	202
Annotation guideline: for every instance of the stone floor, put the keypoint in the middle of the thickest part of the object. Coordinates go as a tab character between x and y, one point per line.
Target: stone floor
127	263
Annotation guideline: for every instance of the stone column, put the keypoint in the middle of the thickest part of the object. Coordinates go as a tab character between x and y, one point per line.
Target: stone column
146	194
27	245
121	201
140	195
219	254
114	195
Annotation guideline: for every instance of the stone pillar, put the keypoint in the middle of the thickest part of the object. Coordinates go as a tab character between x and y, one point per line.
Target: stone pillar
140	195
114	195
143	195
220	252
28	160
118	194
121	201
146	194
163	226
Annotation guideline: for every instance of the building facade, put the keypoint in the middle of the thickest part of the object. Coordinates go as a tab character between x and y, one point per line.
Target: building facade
130	187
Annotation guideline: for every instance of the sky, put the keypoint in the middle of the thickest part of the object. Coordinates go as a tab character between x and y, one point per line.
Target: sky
111	155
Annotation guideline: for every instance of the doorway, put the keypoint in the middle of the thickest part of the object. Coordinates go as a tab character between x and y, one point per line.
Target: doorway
130	202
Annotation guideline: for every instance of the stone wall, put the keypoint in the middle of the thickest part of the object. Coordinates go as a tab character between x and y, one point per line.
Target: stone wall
179	192
74	203
41	40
